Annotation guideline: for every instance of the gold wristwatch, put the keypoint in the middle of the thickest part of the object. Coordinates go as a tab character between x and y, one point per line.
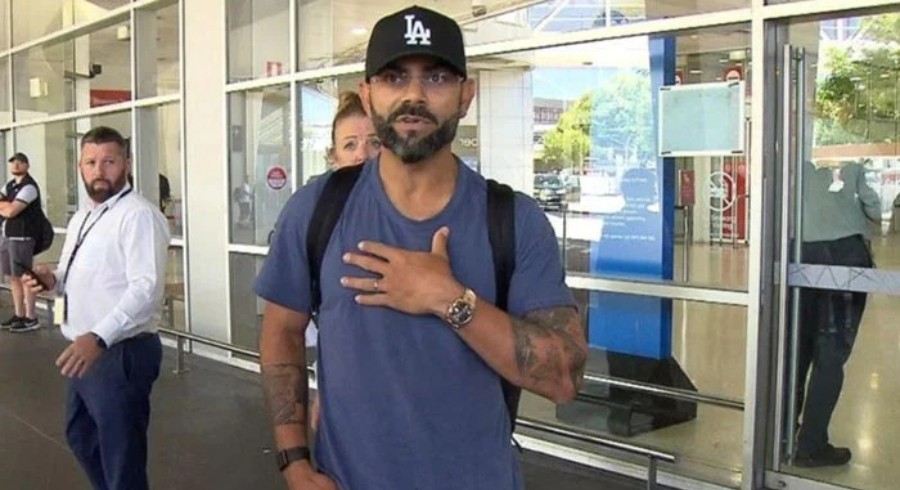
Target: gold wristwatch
461	310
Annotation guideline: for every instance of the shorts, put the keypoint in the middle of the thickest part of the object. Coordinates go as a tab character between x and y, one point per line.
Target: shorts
15	256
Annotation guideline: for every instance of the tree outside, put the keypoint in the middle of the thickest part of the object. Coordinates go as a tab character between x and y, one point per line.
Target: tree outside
614	121
859	99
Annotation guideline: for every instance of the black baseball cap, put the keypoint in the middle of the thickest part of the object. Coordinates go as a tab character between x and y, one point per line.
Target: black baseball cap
415	31
20	157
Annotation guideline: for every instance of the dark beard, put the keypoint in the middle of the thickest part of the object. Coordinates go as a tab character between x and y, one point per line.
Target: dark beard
414	148
100	195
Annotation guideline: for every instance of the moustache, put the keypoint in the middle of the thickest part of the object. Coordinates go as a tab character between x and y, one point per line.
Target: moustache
412	110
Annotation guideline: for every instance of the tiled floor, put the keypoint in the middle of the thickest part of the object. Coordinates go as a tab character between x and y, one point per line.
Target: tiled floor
194	425
208	429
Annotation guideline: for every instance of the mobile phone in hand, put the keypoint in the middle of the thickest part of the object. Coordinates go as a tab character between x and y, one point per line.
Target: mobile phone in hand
33	274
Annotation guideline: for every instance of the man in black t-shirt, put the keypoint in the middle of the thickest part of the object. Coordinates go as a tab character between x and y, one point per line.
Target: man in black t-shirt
20	202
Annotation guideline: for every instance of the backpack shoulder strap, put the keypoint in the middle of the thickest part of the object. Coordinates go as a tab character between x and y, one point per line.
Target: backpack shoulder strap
502	235
501	222
325	216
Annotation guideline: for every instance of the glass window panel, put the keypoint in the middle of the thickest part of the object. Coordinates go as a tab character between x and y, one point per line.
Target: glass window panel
259	161
258	39
159	161
175	316
575	128
91	71
37	18
5	109
853	76
334	33
318	104
702	436
158	55
52	152
862	418
246	307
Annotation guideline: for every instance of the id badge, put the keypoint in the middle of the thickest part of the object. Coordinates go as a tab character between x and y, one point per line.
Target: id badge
59	310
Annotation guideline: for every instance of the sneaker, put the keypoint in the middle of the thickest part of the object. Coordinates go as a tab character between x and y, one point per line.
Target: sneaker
26	325
830	456
9	322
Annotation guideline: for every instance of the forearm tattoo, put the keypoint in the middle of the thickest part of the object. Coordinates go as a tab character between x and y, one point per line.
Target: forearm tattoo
286	389
547	345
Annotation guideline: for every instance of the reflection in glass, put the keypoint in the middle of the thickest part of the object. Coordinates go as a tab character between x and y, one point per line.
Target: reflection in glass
157	66
333	33
258	39
246	307
591	118
259	162
90	71
708	344
845	346
854	76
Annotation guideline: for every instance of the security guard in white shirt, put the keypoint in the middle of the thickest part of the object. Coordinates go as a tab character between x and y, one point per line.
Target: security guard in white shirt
110	284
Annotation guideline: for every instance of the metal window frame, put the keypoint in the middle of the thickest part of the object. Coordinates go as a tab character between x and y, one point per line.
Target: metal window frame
125	13
762	19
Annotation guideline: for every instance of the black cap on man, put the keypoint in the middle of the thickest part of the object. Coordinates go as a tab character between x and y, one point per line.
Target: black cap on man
415	31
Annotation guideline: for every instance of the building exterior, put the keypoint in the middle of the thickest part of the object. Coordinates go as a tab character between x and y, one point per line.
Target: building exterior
231	101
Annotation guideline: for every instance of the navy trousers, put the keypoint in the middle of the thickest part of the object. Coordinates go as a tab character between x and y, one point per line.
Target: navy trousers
829	321
108	412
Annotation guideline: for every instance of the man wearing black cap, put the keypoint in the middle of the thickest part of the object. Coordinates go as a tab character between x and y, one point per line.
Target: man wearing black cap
20	202
411	348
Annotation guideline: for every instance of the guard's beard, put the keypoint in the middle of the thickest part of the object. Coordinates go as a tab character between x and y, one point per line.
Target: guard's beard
100	193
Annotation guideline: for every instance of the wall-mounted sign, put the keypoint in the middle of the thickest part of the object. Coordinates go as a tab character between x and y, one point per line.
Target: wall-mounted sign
686	184
734	74
276	178
101	97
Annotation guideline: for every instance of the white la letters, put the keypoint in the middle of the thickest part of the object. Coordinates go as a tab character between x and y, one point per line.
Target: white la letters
416	33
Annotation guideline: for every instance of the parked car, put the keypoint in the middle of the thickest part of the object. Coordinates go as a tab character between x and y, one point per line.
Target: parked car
549	191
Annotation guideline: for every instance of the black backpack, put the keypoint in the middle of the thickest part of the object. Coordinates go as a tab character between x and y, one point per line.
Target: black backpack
501	233
43	232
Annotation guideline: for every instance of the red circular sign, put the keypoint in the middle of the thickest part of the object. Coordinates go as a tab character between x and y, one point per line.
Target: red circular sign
276	178
734	74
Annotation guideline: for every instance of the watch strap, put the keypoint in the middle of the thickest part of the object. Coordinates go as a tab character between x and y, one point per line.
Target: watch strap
287	456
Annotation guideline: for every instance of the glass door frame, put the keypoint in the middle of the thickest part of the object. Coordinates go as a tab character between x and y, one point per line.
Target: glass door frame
775	162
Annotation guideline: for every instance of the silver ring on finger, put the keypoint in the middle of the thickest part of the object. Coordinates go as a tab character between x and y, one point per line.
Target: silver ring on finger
375	285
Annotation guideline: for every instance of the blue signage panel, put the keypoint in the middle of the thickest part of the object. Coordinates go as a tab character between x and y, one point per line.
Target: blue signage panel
637	241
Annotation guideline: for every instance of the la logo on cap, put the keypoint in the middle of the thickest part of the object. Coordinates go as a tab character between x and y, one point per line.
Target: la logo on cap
416	33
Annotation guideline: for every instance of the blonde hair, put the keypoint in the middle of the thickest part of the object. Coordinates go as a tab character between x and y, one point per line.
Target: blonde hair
349	105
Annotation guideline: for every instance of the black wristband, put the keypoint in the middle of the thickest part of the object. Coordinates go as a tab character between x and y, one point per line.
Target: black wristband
287	456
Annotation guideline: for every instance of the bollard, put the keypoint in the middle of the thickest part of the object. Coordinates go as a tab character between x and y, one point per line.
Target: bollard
179	356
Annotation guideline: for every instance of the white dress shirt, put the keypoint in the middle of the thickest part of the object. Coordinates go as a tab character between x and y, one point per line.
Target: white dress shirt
116	280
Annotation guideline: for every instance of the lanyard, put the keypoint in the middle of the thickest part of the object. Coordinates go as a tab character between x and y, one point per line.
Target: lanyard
82	234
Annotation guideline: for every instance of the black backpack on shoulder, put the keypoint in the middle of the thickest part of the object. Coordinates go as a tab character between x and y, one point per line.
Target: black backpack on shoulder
501	233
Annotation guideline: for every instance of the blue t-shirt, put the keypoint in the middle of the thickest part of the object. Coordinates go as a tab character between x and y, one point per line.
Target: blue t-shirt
405	403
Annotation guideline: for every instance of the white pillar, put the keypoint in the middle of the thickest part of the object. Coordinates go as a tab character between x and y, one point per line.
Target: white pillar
205	154
506	127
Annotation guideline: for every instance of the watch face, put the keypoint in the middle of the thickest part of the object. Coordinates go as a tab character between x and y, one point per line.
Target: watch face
460	313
